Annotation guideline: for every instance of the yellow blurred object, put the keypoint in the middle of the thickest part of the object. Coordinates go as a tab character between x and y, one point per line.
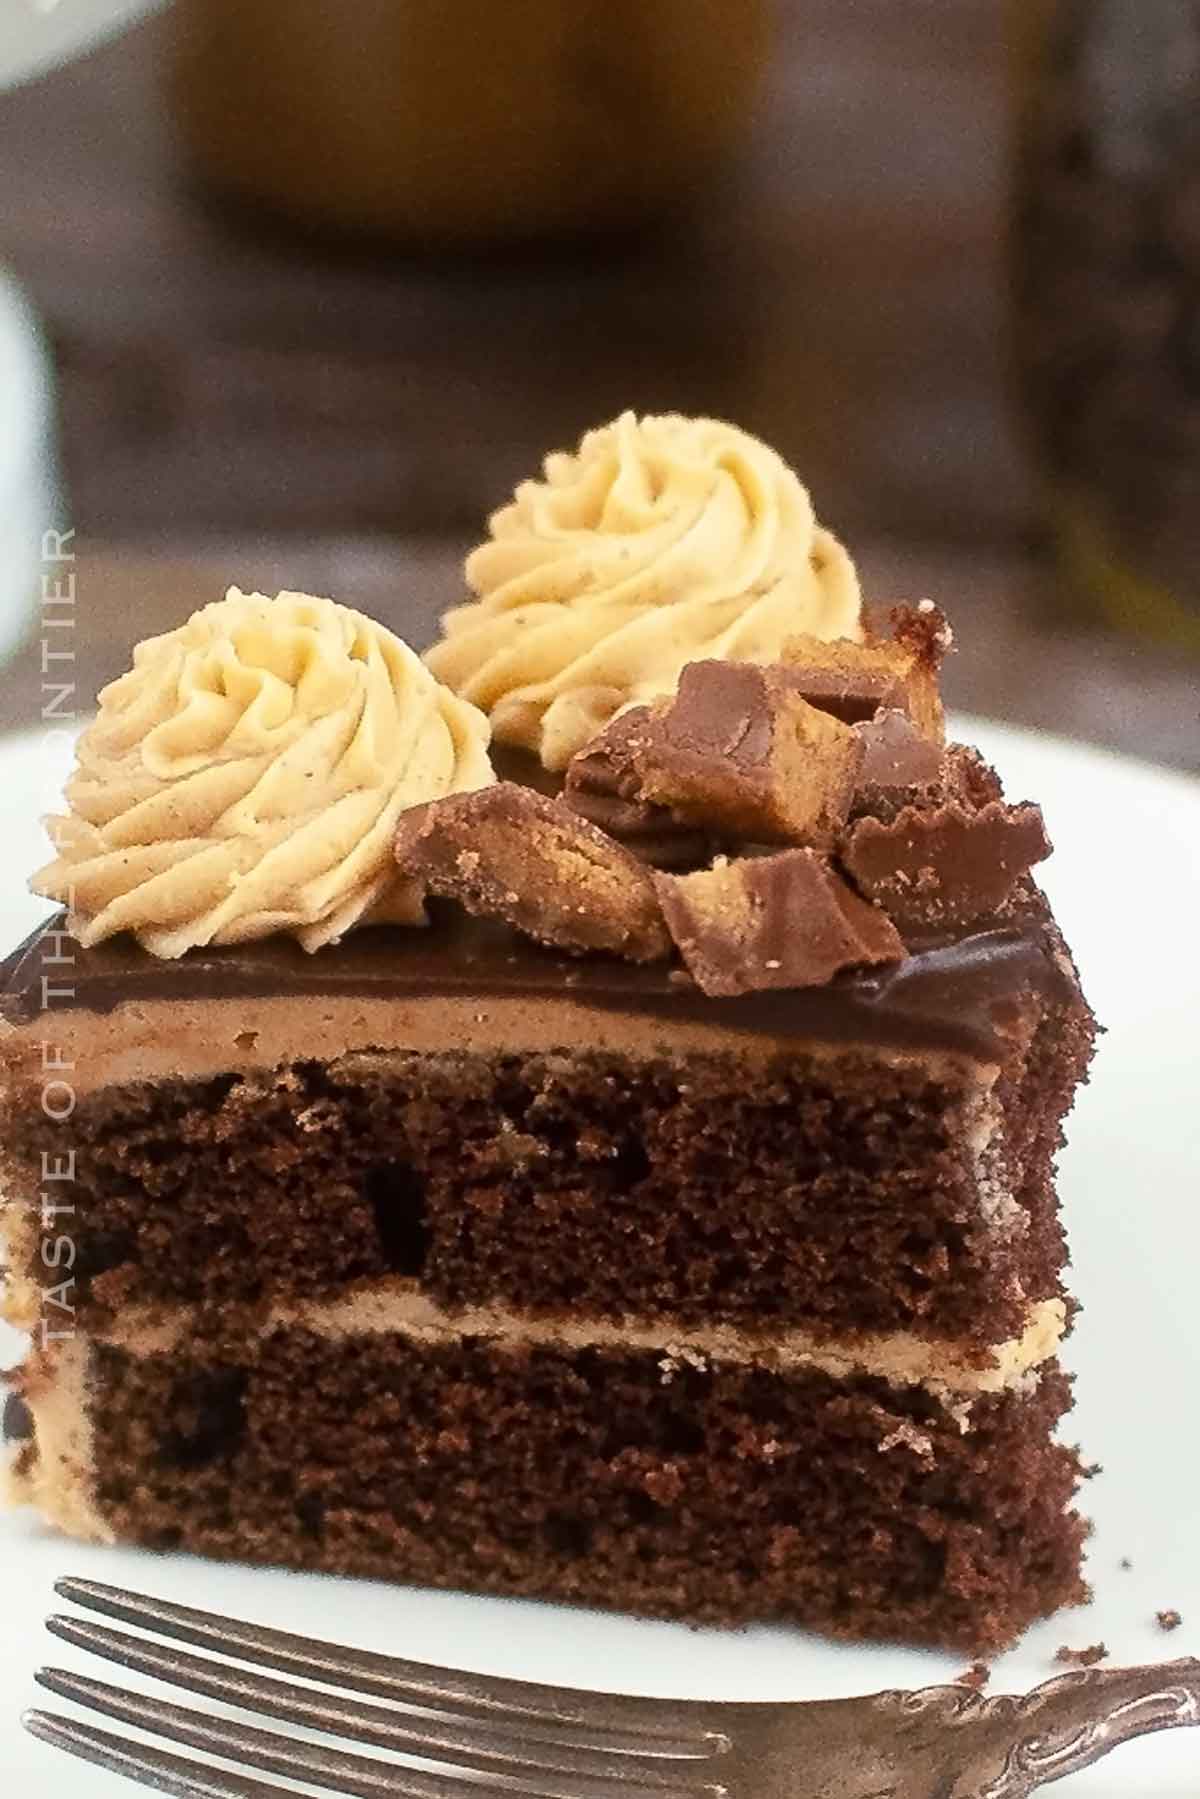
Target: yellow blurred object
447	123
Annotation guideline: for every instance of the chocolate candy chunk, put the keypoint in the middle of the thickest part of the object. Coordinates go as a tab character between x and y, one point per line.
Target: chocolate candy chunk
738	754
651	833
787	920
602	785
857	681
899	766
946	866
507	852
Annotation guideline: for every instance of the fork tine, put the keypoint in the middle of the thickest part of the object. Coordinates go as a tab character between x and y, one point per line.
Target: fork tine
150	1767
599	1720
356	1776
478	1744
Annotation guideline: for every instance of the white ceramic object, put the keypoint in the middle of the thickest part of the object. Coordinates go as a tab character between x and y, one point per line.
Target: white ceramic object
37	34
1125	882
28	489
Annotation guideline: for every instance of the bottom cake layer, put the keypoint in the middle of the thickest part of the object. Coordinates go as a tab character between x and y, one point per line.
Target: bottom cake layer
625	1478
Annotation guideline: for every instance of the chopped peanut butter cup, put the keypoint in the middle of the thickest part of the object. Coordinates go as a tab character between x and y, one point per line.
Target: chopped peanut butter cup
947	865
898	763
602	785
738	754
788	920
857	681
516	855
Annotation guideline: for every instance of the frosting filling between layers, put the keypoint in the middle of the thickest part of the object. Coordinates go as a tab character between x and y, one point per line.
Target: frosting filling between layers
398	1306
55	1471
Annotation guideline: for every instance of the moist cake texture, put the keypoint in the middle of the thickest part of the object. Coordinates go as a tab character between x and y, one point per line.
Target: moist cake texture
716	1272
762	1172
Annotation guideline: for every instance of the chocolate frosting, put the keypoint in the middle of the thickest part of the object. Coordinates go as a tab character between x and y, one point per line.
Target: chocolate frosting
962	994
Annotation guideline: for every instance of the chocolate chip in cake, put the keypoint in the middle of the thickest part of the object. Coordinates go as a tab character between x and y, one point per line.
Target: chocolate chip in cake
945	866
787	920
507	852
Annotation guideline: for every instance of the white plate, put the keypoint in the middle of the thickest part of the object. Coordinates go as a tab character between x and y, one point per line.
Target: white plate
1126	884
35	35
28	485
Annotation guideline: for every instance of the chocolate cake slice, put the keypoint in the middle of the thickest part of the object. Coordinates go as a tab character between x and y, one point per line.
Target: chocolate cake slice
670	1223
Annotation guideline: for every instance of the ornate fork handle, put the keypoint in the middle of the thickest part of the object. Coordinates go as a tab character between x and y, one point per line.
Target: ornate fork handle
960	1745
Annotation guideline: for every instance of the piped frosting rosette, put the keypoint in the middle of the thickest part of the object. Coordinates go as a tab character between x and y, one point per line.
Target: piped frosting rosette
245	777
660	541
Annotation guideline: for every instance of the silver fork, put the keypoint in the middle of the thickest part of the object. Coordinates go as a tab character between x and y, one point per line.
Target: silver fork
479	1733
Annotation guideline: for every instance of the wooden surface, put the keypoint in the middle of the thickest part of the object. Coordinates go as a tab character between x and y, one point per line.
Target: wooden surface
237	407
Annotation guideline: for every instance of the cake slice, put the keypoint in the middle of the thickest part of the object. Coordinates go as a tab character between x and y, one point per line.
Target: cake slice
674	1232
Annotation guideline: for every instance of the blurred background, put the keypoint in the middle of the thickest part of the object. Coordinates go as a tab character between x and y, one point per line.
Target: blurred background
296	290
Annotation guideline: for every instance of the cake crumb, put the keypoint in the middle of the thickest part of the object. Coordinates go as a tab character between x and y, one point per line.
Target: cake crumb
680	1356
976	1677
1169	1620
907	1436
1082	1658
1125	1563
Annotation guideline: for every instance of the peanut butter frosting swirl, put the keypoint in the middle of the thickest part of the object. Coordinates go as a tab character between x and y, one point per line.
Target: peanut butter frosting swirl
245	777
660	541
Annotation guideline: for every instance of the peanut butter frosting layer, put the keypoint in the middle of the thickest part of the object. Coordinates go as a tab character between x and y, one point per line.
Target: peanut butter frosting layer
54	1470
244	778
658	542
397	1306
468	981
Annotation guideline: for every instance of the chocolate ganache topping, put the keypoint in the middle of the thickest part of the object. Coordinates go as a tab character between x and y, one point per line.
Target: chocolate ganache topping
959	994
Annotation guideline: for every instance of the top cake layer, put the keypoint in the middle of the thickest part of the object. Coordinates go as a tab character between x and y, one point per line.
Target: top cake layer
510	1126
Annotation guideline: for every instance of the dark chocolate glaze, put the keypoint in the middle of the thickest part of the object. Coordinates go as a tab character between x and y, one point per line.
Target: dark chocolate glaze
958	994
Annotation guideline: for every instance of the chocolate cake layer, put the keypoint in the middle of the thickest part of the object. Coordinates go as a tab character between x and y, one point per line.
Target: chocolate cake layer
848	1193
627	1479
